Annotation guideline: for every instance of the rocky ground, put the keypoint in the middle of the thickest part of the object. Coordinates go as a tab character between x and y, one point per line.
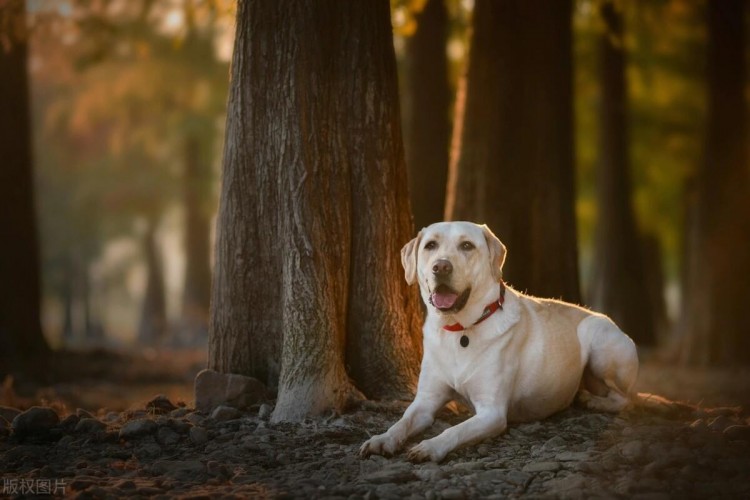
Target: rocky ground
657	450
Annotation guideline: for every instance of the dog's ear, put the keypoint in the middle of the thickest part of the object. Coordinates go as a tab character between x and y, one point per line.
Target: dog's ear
497	253
409	259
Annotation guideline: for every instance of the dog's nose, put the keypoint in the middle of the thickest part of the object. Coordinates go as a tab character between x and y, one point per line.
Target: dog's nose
442	267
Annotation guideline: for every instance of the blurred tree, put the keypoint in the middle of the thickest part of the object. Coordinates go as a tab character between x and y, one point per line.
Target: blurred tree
619	283
21	339
426	115
152	328
713	321
514	168
314	209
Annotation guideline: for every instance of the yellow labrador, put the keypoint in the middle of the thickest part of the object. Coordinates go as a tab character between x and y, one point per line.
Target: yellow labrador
512	357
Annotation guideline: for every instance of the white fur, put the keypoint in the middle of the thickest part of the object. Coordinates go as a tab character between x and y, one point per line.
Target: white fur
525	362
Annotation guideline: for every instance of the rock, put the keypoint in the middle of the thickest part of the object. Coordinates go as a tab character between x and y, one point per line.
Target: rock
90	425
36	420
9	413
542	467
738	433
452	494
720	423
213	389
224	413
179	412
167	436
198	435
137	428
160	405
69	423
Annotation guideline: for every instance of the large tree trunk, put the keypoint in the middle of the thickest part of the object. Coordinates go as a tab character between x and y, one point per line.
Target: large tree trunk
314	209
619	286
153	324
197	288
714	309
514	167
427	124
21	339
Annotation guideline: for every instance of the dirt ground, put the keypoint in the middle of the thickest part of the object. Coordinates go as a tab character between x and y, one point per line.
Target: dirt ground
102	438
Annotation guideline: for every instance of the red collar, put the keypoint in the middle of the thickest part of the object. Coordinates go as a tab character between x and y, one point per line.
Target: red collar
488	311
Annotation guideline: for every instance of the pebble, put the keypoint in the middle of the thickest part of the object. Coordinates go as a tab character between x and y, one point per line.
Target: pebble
167	436
632	450
738	433
542	467
35	420
264	412
224	413
198	435
160	405
137	428
90	424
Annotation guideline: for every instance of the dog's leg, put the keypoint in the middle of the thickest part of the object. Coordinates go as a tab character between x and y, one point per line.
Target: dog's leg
418	416
488	422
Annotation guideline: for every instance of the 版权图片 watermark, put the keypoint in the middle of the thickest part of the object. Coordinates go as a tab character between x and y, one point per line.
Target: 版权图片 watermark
39	486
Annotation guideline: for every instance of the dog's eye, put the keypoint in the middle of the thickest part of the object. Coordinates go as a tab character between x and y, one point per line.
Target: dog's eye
467	246
431	245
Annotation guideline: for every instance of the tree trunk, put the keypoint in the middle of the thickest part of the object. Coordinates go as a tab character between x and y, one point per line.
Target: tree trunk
313	261
426	113
153	324
713	326
21	339
514	167
197	288
619	287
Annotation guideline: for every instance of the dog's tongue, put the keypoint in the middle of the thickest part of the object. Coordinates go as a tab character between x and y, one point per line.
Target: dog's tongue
444	300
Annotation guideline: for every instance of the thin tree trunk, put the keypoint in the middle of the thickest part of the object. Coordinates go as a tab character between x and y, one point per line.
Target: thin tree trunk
514	167
714	325
426	113
153	324
197	288
619	287
21	339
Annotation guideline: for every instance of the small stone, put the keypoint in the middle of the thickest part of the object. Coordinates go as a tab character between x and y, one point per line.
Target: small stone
264	412
179	412
738	433
224	413
452	494
90	425
160	405
395	475
167	436
35	420
125	484
198	435
542	467
213	389
69	423
81	413
179	469
554	443
137	428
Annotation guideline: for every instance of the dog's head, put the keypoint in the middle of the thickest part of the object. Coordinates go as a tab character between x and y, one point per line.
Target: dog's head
450	260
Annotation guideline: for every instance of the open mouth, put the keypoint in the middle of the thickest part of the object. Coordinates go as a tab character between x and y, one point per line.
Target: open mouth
446	299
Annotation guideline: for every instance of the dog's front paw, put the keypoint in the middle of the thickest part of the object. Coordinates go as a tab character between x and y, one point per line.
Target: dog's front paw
379	445
424	451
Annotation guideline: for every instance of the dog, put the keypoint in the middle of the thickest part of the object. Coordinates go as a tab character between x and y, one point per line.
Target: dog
511	357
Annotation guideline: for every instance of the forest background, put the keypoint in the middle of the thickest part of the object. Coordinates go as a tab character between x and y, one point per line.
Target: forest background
128	107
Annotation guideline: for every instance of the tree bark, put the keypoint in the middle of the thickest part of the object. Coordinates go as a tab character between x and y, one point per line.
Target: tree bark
21	339
514	167
619	286
153	324
311	262
426	113
713	323
197	288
